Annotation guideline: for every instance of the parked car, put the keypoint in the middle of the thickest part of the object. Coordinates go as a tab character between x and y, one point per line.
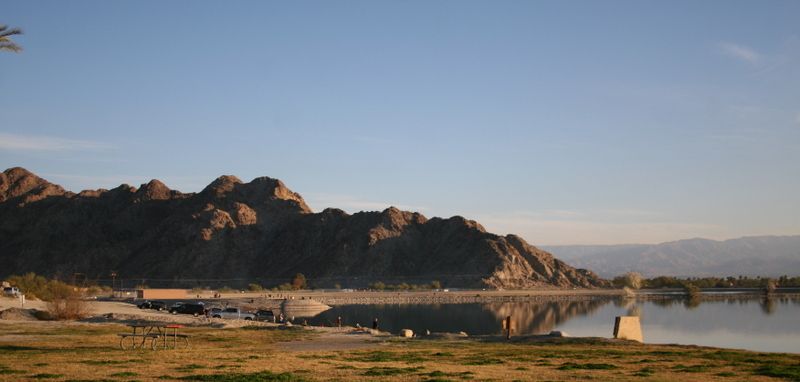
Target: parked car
11	291
155	305
264	315
233	313
212	311
195	309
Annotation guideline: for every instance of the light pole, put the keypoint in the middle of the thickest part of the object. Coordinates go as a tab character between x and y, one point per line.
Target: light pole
113	280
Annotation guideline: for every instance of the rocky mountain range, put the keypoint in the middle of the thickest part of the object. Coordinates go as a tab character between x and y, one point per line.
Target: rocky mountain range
236	232
750	256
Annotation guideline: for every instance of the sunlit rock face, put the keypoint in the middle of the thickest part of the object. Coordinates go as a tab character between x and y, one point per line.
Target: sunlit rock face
254	230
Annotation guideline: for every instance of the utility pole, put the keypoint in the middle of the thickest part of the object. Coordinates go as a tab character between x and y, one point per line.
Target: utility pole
113	280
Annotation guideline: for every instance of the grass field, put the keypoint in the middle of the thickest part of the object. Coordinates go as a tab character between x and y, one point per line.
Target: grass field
60	352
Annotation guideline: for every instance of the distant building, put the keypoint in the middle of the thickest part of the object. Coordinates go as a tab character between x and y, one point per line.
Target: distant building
162	294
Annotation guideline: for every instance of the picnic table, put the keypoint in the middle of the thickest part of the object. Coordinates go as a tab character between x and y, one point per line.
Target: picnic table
161	335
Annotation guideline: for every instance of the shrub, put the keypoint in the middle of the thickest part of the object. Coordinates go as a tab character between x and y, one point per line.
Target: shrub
378	285
253	287
67	307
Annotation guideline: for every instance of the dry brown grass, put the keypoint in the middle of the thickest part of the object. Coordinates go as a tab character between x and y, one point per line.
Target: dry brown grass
69	351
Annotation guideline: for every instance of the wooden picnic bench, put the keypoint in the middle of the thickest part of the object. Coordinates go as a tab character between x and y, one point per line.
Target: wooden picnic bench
160	336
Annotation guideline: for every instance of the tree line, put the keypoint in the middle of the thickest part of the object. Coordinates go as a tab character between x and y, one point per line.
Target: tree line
636	281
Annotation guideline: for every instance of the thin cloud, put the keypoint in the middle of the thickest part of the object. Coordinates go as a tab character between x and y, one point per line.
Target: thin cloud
591	232
740	52
18	142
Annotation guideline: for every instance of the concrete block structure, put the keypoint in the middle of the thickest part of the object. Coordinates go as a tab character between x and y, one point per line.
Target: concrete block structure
628	328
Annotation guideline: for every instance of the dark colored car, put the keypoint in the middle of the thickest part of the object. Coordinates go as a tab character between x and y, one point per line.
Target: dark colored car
265	315
194	309
156	305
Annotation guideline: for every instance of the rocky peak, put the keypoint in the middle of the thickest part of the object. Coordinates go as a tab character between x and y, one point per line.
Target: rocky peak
154	190
222	185
19	182
467	223
395	218
276	190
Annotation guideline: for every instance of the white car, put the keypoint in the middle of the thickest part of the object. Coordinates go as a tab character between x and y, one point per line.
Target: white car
232	313
11	291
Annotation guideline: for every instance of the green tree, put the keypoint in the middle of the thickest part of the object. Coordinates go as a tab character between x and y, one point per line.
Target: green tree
299	281
5	39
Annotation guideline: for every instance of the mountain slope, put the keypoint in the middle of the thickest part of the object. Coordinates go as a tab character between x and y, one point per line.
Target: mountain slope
752	256
256	231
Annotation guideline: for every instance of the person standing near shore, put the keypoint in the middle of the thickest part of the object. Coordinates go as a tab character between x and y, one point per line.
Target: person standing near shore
375	323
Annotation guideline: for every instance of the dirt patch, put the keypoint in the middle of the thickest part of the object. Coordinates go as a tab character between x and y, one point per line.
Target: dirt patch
18	314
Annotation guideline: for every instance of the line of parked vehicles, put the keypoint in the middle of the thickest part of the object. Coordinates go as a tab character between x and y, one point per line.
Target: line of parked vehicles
199	309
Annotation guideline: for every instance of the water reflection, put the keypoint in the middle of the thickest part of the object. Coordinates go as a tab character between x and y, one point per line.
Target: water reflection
768	305
766	324
527	317
538	318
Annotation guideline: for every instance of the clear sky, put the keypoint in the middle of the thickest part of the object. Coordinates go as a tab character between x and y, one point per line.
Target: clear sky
567	122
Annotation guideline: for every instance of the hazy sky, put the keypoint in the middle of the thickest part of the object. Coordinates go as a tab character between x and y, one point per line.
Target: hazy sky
567	122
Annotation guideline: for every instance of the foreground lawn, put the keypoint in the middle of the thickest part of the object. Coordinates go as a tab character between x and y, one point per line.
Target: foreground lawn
59	352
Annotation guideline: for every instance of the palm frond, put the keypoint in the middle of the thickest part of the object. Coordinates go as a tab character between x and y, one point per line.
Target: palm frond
10	46
5	42
5	32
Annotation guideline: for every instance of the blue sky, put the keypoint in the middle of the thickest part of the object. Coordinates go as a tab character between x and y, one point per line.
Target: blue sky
567	122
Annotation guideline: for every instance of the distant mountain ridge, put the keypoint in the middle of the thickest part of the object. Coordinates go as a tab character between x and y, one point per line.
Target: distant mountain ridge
258	230
750	256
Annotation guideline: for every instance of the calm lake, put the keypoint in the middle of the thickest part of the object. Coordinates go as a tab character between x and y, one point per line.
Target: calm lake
754	324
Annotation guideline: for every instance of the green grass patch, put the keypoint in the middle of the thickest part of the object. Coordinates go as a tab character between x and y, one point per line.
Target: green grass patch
385	356
46	376
385	371
189	367
6	371
790	372
317	356
261	376
13	348
124	374
586	366
483	361
103	362
691	369
645	372
725	374
437	373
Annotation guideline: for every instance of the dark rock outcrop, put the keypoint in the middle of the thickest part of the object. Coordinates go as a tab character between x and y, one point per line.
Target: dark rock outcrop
253	232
